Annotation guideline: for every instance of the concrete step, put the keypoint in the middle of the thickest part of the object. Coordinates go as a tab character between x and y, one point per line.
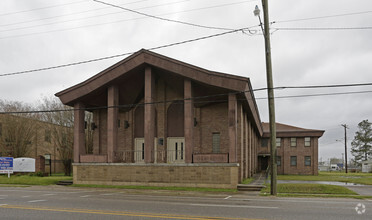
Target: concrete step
65	182
243	187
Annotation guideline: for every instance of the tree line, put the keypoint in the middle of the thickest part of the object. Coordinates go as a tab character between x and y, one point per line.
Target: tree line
21	135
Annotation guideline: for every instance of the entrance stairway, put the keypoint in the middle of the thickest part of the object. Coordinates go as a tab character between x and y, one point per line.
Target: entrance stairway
65	182
256	185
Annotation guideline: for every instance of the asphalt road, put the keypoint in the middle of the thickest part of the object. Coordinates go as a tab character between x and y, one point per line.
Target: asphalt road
58	202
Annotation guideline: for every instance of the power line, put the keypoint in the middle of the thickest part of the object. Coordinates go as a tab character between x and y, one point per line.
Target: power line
64	15
321	17
123	54
122	20
163	19
324	86
321	28
36	9
79	19
315	95
179	101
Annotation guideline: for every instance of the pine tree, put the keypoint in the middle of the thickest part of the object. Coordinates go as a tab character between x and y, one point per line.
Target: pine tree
362	143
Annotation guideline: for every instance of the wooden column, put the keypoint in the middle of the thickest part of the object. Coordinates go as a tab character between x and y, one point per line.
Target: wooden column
149	114
232	117
112	122
189	120
79	131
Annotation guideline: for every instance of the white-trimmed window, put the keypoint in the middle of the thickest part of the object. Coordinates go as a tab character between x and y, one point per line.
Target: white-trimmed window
293	142
278	142
307	161
307	141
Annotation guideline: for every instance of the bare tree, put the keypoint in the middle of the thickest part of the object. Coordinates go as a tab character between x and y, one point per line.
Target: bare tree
18	130
60	119
61	123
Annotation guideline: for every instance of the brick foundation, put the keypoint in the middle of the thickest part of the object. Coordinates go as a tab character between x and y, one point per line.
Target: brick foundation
182	175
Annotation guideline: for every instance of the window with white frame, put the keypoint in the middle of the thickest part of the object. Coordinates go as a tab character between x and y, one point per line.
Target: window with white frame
307	141
293	142
278	142
307	161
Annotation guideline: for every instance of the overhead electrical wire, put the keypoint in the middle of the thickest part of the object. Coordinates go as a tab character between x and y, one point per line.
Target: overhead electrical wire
163	19
79	19
179	101
322	17
97	9
36	9
321	28
123	54
123	20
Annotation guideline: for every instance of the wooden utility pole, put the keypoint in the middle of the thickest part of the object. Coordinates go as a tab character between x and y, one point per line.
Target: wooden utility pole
345	127
270	93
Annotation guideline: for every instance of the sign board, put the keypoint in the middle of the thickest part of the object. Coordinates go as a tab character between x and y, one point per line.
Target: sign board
6	164
24	164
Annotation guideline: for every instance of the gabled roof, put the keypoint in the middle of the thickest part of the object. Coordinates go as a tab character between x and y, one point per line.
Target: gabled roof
131	66
145	57
283	130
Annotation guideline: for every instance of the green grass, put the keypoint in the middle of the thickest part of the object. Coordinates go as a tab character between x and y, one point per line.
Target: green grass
313	190
248	180
197	189
31	180
358	178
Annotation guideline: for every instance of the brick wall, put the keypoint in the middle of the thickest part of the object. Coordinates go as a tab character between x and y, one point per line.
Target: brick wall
186	175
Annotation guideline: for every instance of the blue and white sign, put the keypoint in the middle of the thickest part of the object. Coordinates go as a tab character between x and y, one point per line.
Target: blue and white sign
6	164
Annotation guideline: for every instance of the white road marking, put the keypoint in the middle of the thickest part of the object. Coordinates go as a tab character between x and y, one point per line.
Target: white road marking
25	196
40	200
2	198
235	206
108	194
85	196
3	195
3	204
49	194
228	197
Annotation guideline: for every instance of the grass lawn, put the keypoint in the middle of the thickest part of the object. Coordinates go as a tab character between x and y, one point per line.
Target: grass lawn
248	180
312	190
359	178
31	180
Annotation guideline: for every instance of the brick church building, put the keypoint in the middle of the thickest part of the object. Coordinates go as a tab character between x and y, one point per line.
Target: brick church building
162	122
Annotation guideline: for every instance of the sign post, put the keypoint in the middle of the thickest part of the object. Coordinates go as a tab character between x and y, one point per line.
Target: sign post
6	165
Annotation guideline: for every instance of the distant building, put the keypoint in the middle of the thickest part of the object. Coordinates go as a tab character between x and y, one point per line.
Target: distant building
297	149
169	123
35	137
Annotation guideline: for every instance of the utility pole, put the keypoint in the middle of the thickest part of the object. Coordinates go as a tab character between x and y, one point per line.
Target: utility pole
270	94
345	127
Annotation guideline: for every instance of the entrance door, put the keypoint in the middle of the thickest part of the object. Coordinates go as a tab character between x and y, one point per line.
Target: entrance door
264	163
139	150
176	150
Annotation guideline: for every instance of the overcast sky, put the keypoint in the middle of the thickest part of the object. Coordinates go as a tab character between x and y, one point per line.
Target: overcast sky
42	33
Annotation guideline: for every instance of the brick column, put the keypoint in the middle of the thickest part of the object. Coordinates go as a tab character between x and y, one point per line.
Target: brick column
232	117
79	131
188	120
112	122
149	114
